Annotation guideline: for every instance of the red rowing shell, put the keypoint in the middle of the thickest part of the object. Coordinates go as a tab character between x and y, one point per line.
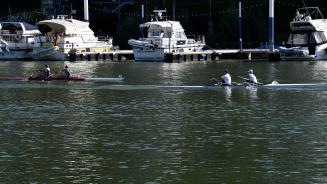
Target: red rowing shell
56	78
13	78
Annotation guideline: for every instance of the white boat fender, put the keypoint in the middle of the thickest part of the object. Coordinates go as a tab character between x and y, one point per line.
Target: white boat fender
274	82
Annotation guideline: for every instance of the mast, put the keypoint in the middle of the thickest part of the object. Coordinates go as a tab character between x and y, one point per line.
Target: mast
174	2
240	25
271	25
86	10
142	20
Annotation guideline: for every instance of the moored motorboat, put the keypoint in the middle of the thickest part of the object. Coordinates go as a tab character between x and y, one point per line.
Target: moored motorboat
308	38
163	37
62	36
17	40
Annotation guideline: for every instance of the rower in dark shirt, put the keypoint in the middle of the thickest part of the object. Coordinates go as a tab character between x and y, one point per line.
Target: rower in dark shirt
46	72
66	73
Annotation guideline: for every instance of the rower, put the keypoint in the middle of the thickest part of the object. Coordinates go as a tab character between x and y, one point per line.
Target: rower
251	77
46	72
226	79
66	73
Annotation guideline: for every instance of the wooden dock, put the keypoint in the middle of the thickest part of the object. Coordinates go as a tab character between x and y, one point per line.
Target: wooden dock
206	55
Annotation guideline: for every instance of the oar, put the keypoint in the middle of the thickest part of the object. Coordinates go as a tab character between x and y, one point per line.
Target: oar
215	81
36	72
242	77
258	83
48	77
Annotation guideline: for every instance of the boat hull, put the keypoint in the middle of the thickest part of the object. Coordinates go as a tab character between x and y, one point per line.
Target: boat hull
160	54
49	54
56	79
113	79
269	86
302	53
15	55
117	79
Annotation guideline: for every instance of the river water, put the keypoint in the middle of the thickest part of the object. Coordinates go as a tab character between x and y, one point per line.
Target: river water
133	132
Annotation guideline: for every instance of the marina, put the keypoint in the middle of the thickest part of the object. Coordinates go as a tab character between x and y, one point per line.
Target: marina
67	39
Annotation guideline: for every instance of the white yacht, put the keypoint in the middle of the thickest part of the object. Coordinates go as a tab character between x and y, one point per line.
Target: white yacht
307	40
16	40
162	37
62	36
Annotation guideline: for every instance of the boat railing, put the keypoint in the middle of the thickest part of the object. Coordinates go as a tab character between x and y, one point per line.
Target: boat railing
195	39
85	44
156	41
13	38
308	13
105	38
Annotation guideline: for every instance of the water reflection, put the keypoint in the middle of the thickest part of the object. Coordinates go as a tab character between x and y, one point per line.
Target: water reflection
252	92
228	92
113	133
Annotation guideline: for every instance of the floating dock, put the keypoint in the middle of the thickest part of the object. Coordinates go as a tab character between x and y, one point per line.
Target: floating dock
114	56
206	55
213	55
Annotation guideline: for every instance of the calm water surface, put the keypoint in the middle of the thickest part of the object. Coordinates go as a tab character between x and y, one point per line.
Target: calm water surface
132	132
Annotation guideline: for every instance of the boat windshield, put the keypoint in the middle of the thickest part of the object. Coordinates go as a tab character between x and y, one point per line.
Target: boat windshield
301	39
155	33
320	37
167	34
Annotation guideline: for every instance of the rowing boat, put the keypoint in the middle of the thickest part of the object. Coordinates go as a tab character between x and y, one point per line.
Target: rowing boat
304	85
53	78
249	85
201	87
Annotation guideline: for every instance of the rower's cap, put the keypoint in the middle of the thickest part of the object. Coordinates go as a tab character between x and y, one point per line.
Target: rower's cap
250	71
46	65
226	71
66	66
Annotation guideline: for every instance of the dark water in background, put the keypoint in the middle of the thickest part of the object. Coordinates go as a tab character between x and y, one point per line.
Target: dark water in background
130	132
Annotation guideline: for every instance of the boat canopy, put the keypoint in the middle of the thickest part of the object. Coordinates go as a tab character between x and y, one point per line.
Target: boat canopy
162	25
308	19
66	26
15	27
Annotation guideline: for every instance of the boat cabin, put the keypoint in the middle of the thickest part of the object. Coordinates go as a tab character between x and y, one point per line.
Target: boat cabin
18	35
308	28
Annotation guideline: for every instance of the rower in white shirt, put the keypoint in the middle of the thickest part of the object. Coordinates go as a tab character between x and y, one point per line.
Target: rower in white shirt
251	77
226	79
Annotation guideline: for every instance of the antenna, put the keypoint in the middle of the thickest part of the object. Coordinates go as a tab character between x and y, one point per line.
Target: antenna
305	6
10	13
